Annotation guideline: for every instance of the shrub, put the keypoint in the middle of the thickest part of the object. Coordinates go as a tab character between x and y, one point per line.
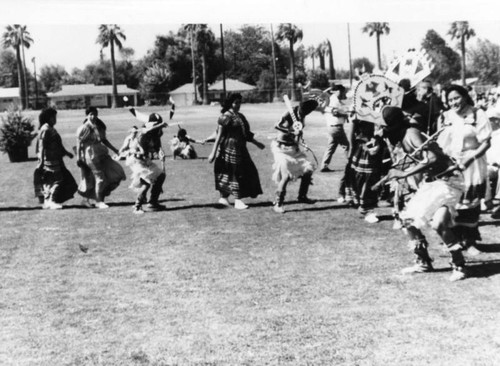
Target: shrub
16	131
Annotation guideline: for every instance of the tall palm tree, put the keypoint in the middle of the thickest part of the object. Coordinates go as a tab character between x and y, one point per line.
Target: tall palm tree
292	34
17	37
377	29
462	32
331	68
110	35
204	36
311	52
322	51
191	28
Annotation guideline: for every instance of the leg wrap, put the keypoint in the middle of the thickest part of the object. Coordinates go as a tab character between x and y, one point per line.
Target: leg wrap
279	198
419	248
157	189
305	182
457	259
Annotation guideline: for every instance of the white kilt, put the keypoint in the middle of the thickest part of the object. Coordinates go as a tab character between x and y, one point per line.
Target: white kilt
289	161
430	197
142	169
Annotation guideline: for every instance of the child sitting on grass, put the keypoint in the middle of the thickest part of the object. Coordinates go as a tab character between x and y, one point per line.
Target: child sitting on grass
181	145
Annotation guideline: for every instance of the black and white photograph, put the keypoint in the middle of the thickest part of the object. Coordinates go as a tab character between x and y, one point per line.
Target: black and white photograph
216	183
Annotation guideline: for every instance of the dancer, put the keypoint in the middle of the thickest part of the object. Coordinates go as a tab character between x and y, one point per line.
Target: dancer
435	201
181	146
336	115
140	147
57	182
290	162
100	173
466	137
365	166
235	172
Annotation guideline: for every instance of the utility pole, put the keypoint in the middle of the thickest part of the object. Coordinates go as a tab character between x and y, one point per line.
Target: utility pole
350	60
36	84
274	65
223	99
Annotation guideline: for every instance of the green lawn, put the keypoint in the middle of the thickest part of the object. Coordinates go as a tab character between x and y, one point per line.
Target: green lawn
201	285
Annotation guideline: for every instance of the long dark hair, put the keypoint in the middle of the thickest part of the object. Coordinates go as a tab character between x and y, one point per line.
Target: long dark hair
460	90
228	103
45	116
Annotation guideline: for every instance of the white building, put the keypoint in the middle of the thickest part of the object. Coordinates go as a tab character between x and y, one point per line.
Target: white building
9	97
85	95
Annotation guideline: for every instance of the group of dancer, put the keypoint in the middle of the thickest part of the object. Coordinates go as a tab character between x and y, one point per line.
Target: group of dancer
440	185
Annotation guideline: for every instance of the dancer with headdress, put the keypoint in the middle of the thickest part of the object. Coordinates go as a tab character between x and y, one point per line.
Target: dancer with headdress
290	162
235	173
435	200
141	147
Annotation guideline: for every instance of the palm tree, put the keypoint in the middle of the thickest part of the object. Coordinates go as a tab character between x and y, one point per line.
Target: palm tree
109	35
292	34
17	37
378	29
191	28
461	31
331	69
203	37
311	52
321	51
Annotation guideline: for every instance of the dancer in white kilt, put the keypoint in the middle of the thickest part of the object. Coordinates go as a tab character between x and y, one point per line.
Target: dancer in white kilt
290	162
435	200
140	147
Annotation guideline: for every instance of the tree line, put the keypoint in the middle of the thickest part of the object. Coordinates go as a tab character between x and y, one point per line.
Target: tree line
275	62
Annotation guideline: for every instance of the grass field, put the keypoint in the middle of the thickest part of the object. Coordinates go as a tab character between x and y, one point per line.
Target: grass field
201	285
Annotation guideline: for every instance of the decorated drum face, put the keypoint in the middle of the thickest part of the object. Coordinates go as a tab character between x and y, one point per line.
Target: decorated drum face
374	92
413	65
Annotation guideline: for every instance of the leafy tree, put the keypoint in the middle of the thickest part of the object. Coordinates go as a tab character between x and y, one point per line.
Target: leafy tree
154	84
363	65
462	32
248	53
484	61
8	69
52	77
445	61
109	35
318	78
292	34
17	37
377	29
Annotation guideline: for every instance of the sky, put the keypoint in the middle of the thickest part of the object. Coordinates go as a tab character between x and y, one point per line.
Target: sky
64	32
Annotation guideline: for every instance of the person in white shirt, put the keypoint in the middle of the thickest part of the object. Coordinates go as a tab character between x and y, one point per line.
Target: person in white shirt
336	114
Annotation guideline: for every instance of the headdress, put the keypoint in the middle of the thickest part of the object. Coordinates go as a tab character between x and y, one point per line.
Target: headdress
413	65
374	92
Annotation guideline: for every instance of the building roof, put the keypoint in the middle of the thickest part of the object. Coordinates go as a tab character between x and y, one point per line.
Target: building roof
231	86
184	89
9	92
90	89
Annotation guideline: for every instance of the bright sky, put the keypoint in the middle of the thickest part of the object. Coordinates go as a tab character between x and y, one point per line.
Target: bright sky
64	32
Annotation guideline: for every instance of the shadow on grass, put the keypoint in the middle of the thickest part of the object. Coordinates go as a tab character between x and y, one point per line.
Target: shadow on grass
205	205
482	269
12	209
488	248
489	223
